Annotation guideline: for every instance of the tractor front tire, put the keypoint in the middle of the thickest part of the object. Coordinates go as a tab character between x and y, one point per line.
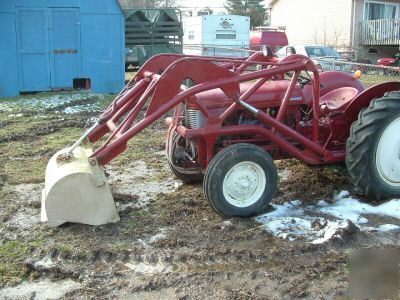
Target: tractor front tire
240	181
373	149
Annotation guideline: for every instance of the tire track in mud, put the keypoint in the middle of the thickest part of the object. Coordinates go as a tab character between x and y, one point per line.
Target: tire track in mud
147	259
143	269
58	264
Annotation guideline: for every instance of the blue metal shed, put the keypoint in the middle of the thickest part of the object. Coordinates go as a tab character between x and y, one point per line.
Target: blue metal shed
56	44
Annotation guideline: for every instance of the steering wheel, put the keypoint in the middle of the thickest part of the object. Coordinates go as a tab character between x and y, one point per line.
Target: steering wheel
302	80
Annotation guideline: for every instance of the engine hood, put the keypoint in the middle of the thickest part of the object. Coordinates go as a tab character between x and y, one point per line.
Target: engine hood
269	94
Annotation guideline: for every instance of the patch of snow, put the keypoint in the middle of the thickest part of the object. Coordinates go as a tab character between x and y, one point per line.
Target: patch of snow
158	236
321	222
292	224
284	174
330	230
348	208
40	290
388	227
382	228
177	184
291	208
145	268
66	102
15	115
44	263
289	227
23	219
138	179
227	223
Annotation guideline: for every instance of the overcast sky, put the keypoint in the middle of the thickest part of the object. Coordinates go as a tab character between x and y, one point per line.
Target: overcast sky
201	3
216	5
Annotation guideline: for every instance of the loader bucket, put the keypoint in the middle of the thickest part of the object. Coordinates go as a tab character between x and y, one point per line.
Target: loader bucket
76	190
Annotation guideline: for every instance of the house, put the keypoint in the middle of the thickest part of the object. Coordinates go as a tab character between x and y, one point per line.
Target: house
61	44
370	27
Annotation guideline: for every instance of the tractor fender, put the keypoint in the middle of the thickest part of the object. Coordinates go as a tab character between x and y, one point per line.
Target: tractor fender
364	98
333	80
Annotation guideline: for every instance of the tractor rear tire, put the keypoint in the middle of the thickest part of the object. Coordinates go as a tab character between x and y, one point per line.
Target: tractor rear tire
240	181
373	149
185	177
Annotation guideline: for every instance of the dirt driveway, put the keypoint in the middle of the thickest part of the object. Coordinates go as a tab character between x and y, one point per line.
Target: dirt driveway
169	243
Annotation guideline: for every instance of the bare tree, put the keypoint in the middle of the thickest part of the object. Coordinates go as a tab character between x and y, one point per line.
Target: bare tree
328	34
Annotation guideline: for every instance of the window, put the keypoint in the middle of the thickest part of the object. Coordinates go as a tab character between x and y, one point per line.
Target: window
377	10
225	35
191	35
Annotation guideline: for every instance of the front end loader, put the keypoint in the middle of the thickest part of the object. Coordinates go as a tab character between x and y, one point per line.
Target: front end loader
231	118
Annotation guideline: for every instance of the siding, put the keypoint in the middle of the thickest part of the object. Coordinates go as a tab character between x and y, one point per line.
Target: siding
324	22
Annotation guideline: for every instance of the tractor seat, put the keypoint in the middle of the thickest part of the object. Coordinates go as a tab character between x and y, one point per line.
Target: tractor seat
337	100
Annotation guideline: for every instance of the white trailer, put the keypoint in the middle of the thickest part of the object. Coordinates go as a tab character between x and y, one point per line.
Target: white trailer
216	35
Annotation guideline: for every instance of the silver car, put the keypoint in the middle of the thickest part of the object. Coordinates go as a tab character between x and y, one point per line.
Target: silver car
326	58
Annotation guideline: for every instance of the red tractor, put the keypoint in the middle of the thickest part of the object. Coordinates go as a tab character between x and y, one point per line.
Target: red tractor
230	122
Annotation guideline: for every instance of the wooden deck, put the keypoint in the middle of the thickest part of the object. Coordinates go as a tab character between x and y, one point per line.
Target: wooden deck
380	32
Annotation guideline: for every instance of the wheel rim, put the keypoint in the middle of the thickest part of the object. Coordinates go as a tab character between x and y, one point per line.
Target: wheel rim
388	154
244	184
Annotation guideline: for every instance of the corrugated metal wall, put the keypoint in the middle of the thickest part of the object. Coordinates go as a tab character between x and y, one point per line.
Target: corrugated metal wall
45	44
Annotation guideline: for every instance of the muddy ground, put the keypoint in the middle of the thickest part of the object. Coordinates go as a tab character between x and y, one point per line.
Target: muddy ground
169	243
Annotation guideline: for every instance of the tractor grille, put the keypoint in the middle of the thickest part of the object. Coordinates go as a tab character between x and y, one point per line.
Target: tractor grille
194	118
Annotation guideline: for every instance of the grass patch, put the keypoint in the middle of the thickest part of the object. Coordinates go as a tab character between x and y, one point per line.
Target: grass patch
24	161
12	257
370	80
143	146
18	126
46	144
26	170
12	254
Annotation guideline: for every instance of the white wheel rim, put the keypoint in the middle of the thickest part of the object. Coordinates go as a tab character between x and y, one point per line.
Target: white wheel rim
388	154
244	184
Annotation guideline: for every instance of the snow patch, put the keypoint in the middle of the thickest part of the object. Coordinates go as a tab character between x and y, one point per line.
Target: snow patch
321	222
145	268
65	102
138	179
40	290
348	208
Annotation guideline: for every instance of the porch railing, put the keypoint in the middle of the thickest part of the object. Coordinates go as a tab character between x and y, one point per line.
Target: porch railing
380	32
